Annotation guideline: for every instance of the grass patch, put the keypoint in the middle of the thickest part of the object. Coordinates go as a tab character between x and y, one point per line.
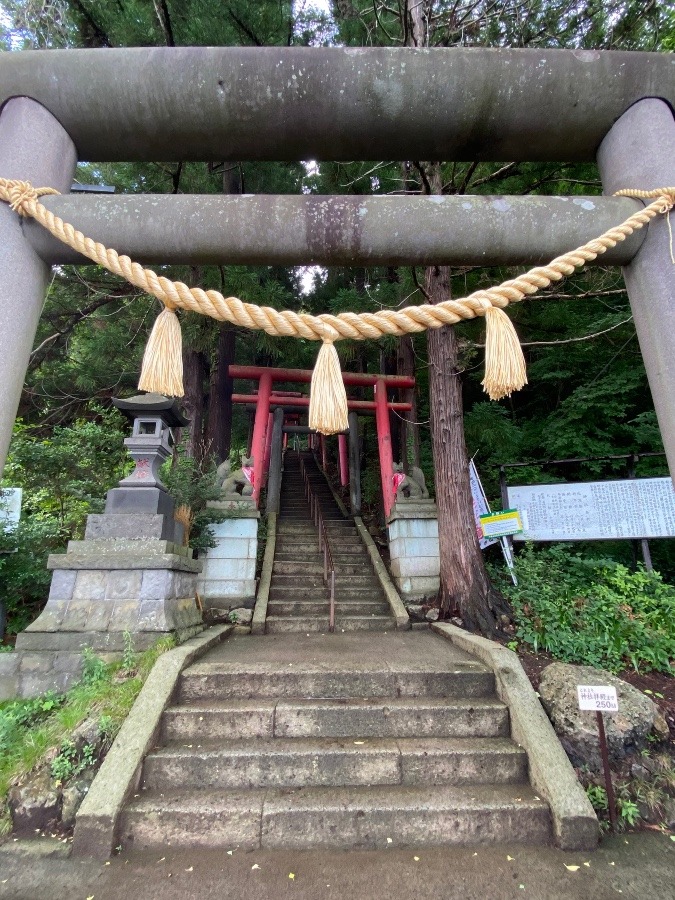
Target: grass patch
31	730
593	612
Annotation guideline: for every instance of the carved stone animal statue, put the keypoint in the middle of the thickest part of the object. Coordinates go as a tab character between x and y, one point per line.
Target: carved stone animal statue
413	486
234	484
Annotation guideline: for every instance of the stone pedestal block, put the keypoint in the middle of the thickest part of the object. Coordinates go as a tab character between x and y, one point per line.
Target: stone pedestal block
228	574
414	549
122	578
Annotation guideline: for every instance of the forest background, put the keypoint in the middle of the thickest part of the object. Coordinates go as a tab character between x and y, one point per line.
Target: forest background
587	394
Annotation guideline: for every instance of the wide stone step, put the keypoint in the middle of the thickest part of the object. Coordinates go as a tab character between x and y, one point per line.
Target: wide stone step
301	567
321	608
340	762
287	624
399	717
217	681
305	594
367	818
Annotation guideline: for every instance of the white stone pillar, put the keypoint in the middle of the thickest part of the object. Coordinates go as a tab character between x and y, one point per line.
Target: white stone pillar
33	147
639	152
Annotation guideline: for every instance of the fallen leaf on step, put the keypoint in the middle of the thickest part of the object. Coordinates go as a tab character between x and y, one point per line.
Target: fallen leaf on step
572	868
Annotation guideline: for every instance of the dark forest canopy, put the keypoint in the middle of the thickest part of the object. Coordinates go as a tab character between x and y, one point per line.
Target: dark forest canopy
588	393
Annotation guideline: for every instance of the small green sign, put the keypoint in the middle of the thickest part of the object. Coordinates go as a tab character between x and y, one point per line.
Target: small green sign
501	524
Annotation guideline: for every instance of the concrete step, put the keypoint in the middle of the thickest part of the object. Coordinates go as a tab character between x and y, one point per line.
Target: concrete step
360	582
321	608
283	624
339	818
207	681
338	762
400	717
301	567
321	595
305	594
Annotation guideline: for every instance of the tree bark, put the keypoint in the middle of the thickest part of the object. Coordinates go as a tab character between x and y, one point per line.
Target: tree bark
219	425
465	588
194	376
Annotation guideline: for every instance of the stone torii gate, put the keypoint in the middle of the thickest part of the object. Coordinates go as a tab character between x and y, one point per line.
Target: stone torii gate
340	104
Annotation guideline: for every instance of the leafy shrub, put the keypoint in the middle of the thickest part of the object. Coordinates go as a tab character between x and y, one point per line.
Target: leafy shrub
593	611
192	483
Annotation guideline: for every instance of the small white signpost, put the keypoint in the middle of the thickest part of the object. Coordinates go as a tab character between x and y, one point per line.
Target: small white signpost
481	507
601	699
598	699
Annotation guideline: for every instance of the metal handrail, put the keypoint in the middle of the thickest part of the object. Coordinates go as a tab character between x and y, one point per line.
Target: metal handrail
324	547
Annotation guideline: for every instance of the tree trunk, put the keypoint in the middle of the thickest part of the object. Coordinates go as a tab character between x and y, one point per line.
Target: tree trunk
219	426
194	375
410	431
465	588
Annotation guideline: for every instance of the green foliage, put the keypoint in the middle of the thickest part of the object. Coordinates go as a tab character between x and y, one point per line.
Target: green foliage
593	611
598	796
71	761
192	483
94	670
128	655
18	715
33	729
65	475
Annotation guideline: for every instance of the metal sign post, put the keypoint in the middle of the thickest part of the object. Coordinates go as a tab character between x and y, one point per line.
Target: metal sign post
602	699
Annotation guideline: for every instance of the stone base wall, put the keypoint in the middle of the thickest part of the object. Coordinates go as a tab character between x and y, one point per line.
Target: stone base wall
414	553
228	574
29	674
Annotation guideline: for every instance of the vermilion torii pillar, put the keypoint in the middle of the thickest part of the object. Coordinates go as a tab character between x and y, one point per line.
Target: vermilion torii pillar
265	400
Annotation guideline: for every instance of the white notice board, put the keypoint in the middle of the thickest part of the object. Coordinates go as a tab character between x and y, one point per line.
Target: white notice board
10	508
595	510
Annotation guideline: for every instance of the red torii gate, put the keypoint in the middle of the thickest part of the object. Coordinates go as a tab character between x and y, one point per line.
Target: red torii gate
265	398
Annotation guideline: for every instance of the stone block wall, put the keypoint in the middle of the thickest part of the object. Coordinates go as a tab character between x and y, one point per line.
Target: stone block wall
414	553
228	573
25	673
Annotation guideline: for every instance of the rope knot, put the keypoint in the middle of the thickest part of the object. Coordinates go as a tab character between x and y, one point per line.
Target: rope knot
21	193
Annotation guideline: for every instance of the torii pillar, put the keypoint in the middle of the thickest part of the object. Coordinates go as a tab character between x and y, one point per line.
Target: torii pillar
639	152
33	147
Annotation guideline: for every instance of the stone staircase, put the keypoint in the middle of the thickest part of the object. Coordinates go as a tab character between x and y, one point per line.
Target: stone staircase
335	741
299	599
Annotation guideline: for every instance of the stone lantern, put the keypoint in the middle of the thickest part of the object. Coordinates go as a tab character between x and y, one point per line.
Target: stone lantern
130	575
151	441
150	445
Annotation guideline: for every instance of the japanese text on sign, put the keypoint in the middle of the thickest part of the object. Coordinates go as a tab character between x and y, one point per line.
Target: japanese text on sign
501	523
598	699
596	510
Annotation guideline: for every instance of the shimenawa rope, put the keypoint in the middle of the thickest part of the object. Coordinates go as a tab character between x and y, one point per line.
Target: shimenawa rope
162	361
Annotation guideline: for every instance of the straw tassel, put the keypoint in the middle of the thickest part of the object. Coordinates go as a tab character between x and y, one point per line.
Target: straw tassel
328	398
504	361
162	368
